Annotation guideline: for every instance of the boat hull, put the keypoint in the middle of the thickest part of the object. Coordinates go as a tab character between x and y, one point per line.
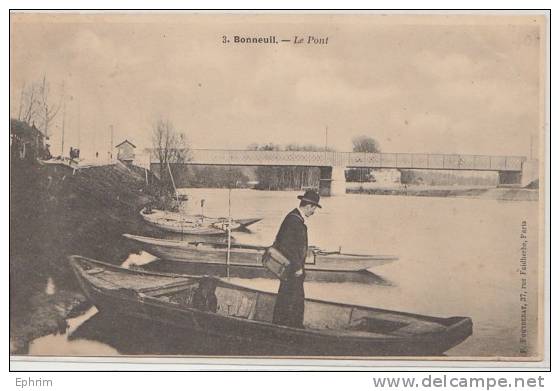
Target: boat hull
193	224
271	341
179	251
223	270
267	337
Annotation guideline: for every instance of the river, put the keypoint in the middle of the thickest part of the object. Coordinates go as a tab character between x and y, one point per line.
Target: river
457	256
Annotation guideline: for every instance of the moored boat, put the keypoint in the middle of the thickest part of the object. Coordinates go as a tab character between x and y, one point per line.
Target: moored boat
193	224
216	307
257	271
249	255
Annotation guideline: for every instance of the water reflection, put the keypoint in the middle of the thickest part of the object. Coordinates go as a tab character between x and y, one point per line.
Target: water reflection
64	345
131	336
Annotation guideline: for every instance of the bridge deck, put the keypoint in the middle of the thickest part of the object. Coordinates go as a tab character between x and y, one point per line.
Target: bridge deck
356	159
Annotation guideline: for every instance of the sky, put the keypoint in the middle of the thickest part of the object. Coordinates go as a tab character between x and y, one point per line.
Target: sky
434	84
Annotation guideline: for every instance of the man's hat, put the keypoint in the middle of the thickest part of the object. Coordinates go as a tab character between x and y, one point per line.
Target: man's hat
311	196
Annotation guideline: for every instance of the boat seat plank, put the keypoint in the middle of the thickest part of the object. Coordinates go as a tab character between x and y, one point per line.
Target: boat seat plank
99	280
387	316
418	327
112	280
174	284
395	324
264	307
183	296
95	270
168	289
326	316
236	303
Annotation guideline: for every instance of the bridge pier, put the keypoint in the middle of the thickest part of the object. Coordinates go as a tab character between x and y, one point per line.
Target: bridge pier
509	178
529	172
332	181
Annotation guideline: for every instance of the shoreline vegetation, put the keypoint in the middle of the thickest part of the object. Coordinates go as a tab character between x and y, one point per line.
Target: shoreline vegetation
57	211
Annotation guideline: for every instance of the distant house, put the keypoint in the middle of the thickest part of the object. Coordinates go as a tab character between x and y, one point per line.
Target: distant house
125	152
27	142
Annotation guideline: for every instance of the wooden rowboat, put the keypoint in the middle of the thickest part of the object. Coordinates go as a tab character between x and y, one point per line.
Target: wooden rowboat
248	255
192	224
214	307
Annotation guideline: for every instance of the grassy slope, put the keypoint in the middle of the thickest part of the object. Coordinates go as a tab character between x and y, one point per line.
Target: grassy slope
55	212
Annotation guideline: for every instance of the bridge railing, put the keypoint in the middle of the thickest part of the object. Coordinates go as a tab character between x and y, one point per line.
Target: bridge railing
240	157
435	161
358	159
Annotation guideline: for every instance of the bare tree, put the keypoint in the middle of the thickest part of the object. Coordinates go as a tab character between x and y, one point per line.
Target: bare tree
20	111
168	146
48	110
36	105
28	103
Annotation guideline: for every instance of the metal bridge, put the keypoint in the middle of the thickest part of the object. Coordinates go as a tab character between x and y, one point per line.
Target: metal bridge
356	159
514	170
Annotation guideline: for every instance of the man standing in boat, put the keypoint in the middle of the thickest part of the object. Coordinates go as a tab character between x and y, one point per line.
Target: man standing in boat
291	241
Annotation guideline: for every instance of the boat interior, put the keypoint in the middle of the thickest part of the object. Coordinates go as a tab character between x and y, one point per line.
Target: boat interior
212	295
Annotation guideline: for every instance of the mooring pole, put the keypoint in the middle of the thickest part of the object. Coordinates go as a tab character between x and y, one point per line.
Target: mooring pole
228	233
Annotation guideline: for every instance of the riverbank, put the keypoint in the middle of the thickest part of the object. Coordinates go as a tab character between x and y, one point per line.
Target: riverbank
502	194
47	315
56	211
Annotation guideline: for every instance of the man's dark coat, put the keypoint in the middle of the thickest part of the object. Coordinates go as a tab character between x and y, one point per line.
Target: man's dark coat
291	240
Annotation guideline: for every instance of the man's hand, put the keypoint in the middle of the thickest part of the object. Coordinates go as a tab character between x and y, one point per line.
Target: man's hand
299	272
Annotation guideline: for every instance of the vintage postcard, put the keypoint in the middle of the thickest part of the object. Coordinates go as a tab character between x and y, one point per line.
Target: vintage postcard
299	185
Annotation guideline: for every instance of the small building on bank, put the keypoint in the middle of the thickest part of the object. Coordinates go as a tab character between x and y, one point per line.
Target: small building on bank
125	152
28	142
